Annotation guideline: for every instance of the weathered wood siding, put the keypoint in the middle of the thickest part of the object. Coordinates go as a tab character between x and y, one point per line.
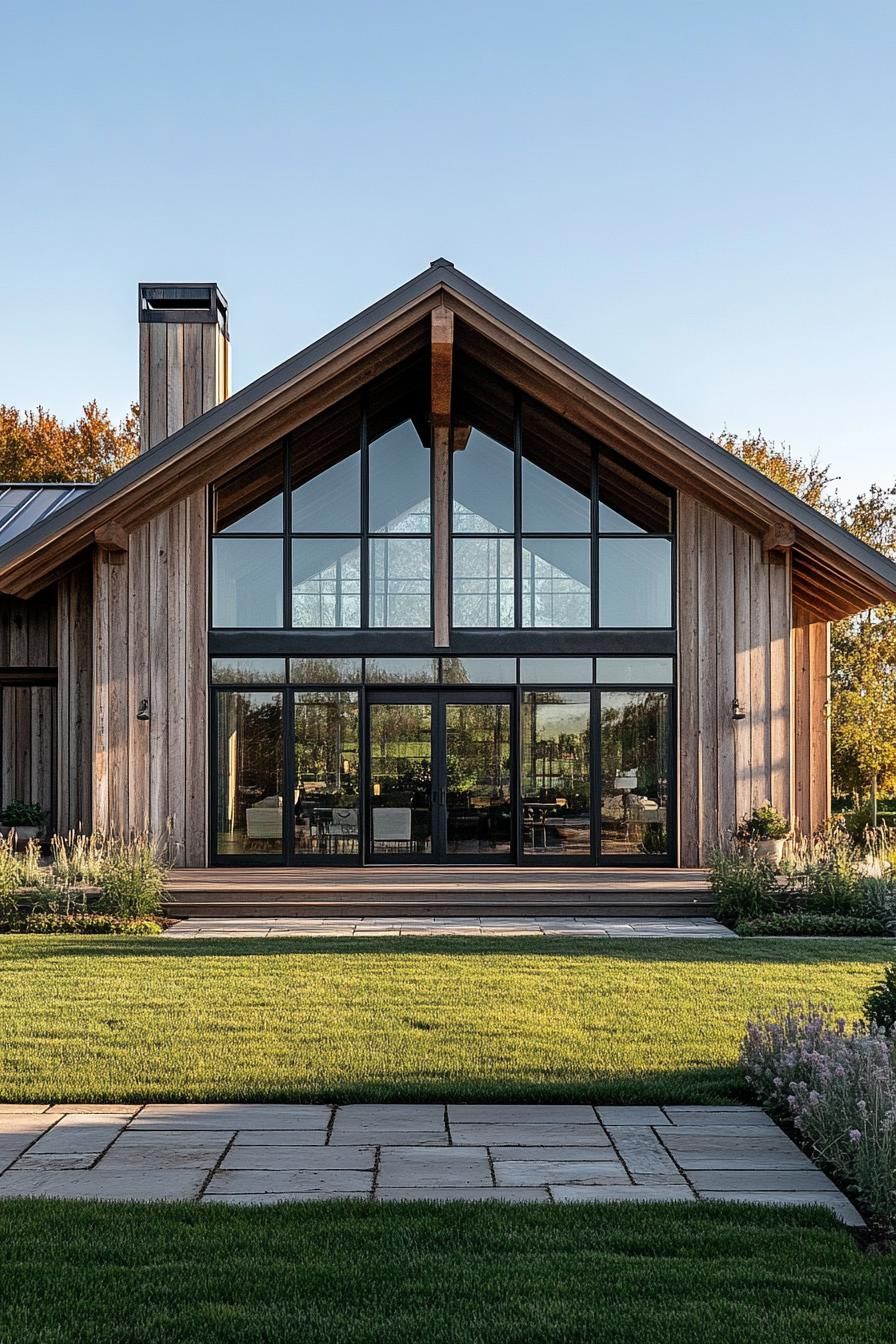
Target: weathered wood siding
74	739
734	643
28	712
812	690
150	627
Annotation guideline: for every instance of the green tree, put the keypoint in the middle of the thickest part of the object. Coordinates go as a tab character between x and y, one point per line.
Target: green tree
863	667
863	647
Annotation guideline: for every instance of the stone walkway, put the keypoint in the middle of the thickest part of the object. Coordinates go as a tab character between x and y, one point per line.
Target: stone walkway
369	927
244	1154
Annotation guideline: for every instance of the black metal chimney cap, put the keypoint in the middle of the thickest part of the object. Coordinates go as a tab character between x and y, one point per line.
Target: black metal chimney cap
182	303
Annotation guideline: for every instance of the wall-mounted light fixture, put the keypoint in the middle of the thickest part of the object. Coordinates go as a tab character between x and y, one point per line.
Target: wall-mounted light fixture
737	710
143	710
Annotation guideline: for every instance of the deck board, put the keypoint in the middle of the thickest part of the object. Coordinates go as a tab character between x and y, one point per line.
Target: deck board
435	890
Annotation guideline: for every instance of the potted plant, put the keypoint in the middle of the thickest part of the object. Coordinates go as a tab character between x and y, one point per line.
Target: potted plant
765	830
26	819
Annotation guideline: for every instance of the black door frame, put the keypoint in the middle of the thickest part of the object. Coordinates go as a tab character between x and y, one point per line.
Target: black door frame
438	698
440	695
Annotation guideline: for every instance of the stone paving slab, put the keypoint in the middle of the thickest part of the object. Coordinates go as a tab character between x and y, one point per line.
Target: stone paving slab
632	1115
435	1167
469	1193
252	1157
836	1202
543	1114
150	1186
290	1182
510	1135
235	1116
803	1178
523	1171
442	926
263	1154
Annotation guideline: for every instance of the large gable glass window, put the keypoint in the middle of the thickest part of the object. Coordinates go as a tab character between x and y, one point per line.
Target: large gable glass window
333	528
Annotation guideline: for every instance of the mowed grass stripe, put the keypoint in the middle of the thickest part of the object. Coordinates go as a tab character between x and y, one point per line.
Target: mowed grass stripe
444	1274
102	1019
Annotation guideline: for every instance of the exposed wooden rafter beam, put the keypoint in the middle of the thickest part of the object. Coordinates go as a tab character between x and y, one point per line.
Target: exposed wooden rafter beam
442	366
442	346
777	539
111	537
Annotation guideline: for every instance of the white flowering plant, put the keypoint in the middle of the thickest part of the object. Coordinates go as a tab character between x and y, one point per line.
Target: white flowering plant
836	1083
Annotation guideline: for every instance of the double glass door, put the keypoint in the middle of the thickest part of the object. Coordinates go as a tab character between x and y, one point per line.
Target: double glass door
440	777
388	775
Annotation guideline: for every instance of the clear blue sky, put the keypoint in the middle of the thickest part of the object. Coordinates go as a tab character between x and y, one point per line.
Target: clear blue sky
697	194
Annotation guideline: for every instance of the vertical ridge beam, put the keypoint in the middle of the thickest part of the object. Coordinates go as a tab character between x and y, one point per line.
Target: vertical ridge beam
442	330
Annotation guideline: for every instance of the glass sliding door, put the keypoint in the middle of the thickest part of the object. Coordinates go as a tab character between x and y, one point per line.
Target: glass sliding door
635	769
555	785
328	808
400	795
249	788
478	781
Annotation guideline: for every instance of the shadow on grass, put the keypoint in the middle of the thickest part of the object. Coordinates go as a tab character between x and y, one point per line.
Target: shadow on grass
757	951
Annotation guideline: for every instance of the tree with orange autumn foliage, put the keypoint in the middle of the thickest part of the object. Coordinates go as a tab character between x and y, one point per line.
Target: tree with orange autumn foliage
37	446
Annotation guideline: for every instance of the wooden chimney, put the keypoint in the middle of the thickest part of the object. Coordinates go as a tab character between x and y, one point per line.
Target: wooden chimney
184	357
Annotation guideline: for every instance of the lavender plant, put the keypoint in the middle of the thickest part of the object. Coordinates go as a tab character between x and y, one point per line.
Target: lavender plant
837	1085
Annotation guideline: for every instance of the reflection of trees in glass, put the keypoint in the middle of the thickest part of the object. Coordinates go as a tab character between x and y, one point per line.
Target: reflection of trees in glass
250	753
557	744
634	739
478	749
326	745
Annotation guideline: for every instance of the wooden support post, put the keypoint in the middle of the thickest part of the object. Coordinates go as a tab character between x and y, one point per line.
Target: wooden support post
440	416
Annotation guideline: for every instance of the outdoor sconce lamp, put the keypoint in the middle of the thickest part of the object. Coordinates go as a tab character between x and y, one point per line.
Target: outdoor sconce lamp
737	710
143	710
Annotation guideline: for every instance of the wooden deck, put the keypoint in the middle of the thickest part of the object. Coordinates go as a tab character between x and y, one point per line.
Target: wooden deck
449	891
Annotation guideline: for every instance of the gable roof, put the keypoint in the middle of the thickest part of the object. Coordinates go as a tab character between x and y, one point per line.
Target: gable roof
834	573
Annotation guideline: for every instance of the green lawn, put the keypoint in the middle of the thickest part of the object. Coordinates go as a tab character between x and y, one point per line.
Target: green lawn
465	1274
101	1019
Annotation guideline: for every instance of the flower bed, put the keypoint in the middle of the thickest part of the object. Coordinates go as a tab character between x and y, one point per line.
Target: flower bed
91	884
828	885
837	1086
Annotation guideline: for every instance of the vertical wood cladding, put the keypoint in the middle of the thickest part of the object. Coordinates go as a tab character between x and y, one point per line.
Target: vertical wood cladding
150	630
734	644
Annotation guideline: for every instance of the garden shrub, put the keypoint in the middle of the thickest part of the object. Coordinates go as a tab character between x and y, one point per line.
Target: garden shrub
131	879
9	878
831	888
19	813
795	923
880	1005
877	899
763	823
85	922
743	885
838	1088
